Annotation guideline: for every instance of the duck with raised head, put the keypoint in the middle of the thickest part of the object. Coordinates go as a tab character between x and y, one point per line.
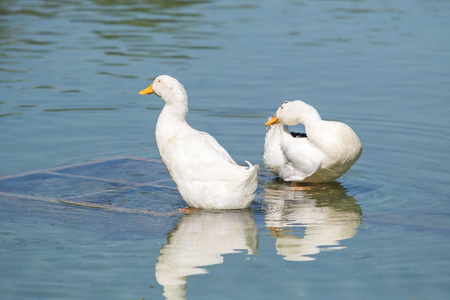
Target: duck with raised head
203	171
324	153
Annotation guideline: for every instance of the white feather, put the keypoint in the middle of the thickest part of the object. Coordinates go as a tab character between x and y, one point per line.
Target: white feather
327	152
204	172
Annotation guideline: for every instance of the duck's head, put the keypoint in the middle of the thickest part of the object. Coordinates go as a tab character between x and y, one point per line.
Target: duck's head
167	88
293	113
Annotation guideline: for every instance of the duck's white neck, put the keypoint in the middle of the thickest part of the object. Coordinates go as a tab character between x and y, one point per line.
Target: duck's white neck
174	112
176	102
297	112
311	116
307	114
172	119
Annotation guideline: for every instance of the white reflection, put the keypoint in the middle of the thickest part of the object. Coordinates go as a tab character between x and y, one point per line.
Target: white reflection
199	240
325	213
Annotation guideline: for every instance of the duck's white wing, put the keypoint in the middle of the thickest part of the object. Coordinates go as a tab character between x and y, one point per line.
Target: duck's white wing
199	156
301	159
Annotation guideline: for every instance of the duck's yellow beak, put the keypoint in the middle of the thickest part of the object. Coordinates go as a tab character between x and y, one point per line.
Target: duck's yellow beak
272	121
146	91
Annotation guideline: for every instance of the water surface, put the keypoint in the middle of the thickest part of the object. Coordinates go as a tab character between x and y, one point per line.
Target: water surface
70	72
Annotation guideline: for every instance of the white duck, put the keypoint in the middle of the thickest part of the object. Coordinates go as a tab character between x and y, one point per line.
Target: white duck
326	152
204	172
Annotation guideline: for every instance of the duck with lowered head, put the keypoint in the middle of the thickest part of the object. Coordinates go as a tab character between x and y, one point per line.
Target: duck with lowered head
324	153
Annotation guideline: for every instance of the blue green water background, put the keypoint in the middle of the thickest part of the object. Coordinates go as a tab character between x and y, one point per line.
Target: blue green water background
70	73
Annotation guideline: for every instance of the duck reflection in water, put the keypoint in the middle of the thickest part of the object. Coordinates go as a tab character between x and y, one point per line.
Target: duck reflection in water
199	240
325	212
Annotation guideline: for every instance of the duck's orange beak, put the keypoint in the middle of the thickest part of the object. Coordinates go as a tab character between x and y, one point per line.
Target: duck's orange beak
272	121
146	91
